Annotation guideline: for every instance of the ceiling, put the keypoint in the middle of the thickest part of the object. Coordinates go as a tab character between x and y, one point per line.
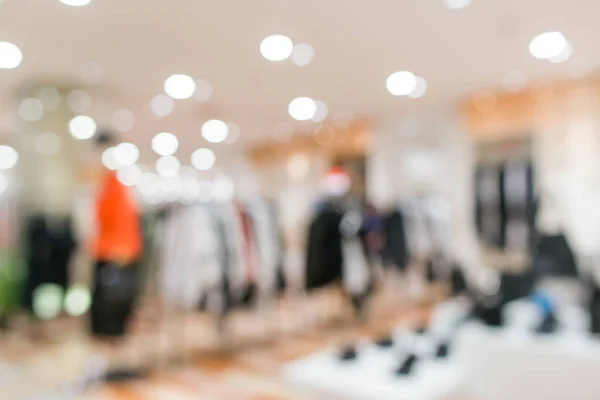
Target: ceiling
139	43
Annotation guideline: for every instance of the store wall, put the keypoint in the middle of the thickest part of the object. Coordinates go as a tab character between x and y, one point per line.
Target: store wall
427	154
563	119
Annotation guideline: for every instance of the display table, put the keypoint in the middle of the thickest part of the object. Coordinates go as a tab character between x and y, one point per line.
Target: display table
511	364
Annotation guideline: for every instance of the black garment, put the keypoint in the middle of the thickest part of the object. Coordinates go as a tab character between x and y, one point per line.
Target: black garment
457	280
395	247
324	253
594	308
496	210
553	257
113	298
49	246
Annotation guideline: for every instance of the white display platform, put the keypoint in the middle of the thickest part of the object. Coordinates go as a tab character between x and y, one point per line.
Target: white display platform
512	363
371	376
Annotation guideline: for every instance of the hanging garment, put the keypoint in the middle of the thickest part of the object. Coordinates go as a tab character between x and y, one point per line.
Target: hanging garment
114	295
267	242
337	252
190	255
49	244
554	257
395	247
487	204
119	233
517	195
280	275
324	251
118	249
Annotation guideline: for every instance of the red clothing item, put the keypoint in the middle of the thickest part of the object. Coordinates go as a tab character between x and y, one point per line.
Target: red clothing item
248	239
118	235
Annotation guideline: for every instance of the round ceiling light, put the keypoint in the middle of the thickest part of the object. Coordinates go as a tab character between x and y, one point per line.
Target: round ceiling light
82	127
3	184
514	81
276	47
302	108
108	159
564	55
401	83
47	144
162	105
126	154
203	159
303	54
8	157
203	90
180	86
223	189
123	120
91	73
215	131
457	4
10	55
79	101
76	3
321	111
165	144
234	132
49	97
129	175
548	45
420	88
168	166
31	110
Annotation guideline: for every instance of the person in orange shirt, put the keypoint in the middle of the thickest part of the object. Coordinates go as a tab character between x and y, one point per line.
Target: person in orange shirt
117	248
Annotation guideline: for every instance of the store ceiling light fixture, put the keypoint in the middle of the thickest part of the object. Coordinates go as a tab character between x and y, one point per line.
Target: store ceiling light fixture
47	144
10	55
123	120
31	110
168	166
215	131
406	83
302	108
82	127
108	159
457	4
129	175
162	105
180	86
276	48
126	154
203	159
76	3
321	111
302	54
419	89
79	101
549	46
204	90
8	157
165	144
3	184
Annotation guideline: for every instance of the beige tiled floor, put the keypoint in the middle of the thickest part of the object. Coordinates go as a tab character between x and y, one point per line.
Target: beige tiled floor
242	366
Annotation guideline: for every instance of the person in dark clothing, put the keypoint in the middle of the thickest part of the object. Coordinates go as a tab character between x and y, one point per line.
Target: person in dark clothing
117	249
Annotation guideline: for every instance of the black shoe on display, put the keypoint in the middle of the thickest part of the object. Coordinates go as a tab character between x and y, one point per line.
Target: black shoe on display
385	342
548	325
442	351
125	375
407	365
348	354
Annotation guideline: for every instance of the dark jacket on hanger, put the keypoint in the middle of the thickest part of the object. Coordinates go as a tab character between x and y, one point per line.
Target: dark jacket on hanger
395	247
